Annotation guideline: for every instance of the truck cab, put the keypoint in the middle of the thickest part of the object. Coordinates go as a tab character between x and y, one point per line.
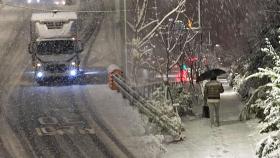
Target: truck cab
54	45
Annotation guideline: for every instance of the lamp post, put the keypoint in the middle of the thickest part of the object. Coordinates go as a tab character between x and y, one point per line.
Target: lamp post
218	49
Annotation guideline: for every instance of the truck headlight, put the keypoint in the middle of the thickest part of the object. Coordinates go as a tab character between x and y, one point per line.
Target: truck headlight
73	63
39	74
73	72
38	64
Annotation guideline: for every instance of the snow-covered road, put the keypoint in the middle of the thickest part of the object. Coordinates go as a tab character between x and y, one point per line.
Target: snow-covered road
24	127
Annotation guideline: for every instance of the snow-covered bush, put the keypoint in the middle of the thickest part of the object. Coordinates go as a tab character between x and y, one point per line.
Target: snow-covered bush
177	96
262	56
274	154
266	96
238	81
182	98
160	102
244	84
268	110
163	104
265	103
269	147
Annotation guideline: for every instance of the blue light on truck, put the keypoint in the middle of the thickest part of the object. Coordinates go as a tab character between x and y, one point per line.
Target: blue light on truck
39	74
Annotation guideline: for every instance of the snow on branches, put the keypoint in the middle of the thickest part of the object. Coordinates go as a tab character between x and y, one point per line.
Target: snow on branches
265	104
159	37
164	105
269	147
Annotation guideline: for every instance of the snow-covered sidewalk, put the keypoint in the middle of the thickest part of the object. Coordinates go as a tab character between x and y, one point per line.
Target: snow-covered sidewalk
233	139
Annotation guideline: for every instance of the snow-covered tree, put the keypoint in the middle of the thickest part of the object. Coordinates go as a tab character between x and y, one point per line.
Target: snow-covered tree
182	99
265	102
160	36
269	147
175	39
166	106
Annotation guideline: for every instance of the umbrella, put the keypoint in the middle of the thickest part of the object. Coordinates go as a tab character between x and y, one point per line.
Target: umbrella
209	74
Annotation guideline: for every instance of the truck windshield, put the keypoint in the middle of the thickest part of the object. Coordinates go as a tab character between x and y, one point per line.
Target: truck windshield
55	47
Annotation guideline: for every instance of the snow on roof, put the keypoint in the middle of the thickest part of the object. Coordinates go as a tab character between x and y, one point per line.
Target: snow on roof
66	31
52	16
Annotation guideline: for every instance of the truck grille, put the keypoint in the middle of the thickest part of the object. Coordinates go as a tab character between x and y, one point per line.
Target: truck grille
54	25
56	68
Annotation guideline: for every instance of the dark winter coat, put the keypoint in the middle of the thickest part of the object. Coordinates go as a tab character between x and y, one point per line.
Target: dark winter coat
213	89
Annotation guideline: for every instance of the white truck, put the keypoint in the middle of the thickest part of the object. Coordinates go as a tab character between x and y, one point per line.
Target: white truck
54	45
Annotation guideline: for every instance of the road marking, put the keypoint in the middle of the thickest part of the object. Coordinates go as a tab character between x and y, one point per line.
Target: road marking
87	131
68	125
38	130
51	131
48	120
70	130
71	120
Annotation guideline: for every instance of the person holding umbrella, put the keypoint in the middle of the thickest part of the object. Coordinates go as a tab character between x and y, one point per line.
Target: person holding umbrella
212	91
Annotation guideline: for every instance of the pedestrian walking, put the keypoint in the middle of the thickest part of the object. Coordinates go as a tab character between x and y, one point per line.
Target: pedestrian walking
212	90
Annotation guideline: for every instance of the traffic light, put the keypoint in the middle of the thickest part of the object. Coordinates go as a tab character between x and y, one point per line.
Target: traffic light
192	59
184	67
189	24
182	76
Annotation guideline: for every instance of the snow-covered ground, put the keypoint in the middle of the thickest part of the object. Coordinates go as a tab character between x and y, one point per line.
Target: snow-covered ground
233	139
124	122
106	48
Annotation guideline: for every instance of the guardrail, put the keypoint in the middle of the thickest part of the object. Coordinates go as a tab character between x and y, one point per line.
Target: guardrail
147	90
117	82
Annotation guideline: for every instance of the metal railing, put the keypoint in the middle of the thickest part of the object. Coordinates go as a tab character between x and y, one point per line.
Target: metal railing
147	108
147	90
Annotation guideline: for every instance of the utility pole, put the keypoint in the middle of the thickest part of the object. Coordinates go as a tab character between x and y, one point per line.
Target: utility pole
125	39
198	10
209	39
201	35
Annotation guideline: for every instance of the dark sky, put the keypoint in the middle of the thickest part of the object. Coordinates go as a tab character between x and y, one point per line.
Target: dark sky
224	19
234	22
231	22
